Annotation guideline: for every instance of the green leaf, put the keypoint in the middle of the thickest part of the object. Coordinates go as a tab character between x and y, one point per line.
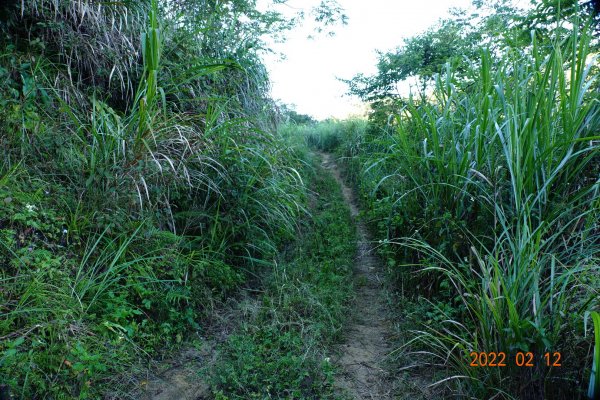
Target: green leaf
594	387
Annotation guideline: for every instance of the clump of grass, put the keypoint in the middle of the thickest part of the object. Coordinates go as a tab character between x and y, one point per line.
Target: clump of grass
98	43
326	135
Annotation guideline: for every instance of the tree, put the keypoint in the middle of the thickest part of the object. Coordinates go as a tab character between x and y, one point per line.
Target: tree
421	56
548	14
289	114
497	25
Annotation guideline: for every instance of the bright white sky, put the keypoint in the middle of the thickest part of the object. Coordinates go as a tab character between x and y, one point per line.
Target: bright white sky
306	78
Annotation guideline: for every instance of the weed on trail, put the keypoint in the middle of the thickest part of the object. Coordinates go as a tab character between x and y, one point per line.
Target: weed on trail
281	352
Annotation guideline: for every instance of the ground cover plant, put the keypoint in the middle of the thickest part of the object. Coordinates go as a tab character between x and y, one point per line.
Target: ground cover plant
281	351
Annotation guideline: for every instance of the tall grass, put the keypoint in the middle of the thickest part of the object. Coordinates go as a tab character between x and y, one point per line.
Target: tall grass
526	155
594	386
490	186
145	182
326	135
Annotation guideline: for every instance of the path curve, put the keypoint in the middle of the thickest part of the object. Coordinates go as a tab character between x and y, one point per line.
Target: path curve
366	347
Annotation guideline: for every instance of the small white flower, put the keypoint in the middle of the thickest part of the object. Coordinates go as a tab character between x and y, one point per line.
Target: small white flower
65	231
30	207
327	359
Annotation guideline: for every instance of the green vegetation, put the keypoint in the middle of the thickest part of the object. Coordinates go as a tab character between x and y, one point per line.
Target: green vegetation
484	193
325	135
141	180
280	352
147	177
595	374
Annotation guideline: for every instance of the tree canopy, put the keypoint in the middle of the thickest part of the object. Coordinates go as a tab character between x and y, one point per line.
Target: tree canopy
495	25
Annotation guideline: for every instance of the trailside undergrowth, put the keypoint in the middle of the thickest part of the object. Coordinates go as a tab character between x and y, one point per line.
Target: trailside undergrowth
142	179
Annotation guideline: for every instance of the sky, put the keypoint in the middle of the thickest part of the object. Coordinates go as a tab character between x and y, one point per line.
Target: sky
307	76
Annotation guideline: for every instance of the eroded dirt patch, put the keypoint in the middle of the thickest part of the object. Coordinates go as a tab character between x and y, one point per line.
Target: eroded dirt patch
183	379
185	374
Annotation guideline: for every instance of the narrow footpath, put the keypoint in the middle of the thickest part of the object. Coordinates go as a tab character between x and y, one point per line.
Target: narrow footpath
359	359
366	347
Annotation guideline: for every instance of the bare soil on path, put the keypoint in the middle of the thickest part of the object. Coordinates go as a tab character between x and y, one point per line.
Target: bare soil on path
367	344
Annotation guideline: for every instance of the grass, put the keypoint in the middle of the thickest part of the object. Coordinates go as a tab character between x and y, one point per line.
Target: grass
523	291
595	375
136	189
281	351
144	178
71	301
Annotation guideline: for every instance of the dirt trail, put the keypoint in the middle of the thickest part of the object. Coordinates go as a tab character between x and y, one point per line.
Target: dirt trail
360	358
366	346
